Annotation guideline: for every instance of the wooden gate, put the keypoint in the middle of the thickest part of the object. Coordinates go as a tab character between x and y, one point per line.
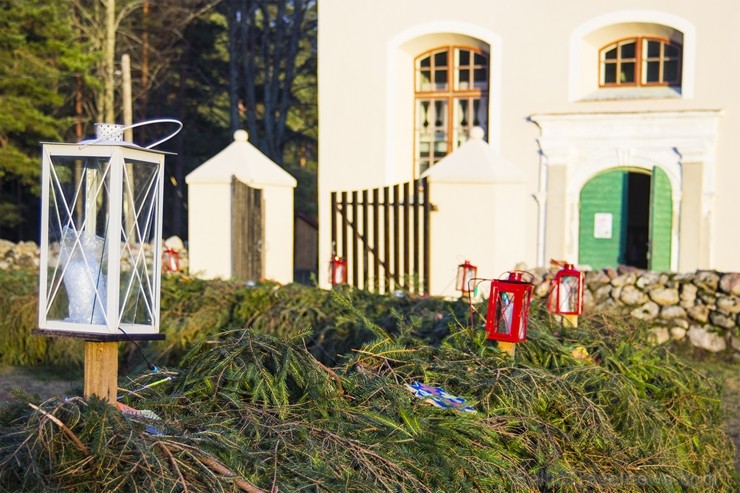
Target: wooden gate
383	235
247	255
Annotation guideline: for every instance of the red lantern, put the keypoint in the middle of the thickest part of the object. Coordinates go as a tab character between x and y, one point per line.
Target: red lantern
508	308
170	260
337	271
466	272
566	291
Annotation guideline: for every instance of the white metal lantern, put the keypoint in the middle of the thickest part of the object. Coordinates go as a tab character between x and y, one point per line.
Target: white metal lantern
101	231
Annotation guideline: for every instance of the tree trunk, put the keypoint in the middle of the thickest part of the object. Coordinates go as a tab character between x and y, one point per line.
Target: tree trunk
234	12
109	61
144	61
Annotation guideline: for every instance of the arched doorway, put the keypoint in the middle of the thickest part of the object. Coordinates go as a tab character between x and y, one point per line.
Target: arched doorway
626	219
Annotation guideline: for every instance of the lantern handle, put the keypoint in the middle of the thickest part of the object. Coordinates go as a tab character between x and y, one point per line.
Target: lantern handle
160	120
140	124
522	272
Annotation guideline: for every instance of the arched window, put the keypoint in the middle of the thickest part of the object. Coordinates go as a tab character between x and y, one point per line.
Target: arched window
640	61
451	98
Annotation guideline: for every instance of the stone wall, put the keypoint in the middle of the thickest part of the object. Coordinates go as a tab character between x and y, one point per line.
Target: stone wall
25	254
18	255
702	308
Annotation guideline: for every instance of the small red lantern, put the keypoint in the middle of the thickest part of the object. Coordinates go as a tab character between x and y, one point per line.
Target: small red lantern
466	272
566	291
170	260
337	271
508	308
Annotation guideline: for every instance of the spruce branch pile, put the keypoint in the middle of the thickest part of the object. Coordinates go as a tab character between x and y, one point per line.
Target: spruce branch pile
249	411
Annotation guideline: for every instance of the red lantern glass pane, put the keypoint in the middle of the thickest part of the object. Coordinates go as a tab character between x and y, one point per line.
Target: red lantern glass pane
566	292
338	271
508	309
466	272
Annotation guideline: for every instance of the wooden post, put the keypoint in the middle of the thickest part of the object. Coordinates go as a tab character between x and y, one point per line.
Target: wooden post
570	321
101	370
507	347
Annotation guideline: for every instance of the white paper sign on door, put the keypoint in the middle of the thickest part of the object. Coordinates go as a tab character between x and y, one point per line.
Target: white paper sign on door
603	225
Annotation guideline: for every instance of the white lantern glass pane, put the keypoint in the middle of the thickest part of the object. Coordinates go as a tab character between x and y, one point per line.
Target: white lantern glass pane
568	294
79	201
138	274
505	309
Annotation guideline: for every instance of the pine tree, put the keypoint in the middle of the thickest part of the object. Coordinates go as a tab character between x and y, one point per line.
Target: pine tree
40	60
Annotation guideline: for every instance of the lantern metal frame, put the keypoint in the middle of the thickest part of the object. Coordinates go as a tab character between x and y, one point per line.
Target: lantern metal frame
508	307
466	272
101	204
565	296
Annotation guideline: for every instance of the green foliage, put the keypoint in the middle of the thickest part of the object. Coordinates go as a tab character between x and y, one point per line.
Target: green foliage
40	58
252	409
19	306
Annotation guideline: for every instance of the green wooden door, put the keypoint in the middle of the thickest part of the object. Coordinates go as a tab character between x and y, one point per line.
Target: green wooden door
602	235
661	221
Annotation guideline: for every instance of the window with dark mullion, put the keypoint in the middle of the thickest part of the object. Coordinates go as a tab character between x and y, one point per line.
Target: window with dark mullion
640	61
451	99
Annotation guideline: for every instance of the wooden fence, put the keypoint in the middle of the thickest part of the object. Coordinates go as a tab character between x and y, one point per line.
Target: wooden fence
383	235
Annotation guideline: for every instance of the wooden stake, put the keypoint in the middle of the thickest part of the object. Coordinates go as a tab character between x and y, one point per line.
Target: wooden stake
101	370
570	320
507	347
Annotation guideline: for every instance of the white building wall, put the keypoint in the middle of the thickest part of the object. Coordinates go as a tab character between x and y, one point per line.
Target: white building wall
209	249
278	228
366	103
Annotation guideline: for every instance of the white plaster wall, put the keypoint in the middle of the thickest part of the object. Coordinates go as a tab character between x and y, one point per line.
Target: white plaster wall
209	223
278	228
476	222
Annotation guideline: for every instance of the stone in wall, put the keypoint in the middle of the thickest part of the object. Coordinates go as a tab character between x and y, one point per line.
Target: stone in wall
647	279
719	319
730	283
648	311
672	312
728	304
664	296
588	298
735	342
688	295
659	335
609	304
703	338
632	296
602	294
542	289
624	279
596	279
615	294
680	322
678	333
707	280
708	299
700	313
